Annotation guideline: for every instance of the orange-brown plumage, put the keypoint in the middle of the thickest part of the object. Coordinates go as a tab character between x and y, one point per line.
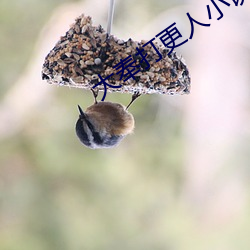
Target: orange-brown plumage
104	124
112	118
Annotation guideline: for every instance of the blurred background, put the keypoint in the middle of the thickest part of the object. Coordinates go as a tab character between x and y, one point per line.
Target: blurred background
180	182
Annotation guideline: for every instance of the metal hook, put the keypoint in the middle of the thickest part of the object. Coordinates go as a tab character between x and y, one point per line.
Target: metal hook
110	16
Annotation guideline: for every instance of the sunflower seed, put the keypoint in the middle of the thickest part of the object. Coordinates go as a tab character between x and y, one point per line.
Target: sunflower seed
85	46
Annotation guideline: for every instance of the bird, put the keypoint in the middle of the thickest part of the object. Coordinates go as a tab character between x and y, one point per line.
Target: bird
104	124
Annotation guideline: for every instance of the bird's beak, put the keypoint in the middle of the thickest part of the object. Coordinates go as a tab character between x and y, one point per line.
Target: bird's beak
82	115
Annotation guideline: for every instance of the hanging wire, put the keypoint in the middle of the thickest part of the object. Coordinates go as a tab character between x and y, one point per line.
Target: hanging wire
110	15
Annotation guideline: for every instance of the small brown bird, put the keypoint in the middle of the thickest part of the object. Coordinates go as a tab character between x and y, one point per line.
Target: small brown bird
104	124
